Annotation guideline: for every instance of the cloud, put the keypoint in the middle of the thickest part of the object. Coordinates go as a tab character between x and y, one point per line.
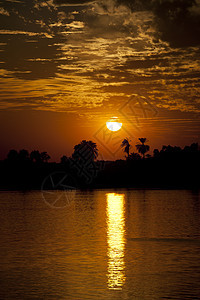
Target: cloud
73	2
58	94
85	53
4	12
19	32
177	22
49	4
15	1
75	25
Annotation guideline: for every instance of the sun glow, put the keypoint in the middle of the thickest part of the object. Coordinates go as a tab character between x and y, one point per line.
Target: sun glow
113	124
115	240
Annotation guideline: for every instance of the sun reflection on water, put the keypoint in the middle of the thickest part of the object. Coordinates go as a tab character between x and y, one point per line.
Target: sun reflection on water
115	240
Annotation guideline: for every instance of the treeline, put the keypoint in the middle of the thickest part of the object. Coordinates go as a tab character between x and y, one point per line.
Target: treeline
170	167
24	156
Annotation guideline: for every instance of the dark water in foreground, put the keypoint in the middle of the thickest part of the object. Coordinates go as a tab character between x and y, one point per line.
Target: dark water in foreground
102	244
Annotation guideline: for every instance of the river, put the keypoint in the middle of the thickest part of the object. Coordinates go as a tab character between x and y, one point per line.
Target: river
100	244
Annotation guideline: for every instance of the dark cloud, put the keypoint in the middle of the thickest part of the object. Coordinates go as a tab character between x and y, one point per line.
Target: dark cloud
177	21
114	46
136	5
29	40
72	2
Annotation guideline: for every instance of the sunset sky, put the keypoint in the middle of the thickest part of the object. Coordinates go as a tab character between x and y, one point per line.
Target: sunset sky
67	66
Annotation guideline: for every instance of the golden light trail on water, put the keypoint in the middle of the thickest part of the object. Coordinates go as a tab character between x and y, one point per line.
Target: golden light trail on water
115	240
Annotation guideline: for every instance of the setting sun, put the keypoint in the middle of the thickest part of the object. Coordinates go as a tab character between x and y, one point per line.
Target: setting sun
113	124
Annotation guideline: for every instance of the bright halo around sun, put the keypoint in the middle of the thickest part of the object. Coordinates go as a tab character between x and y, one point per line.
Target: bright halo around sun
113	124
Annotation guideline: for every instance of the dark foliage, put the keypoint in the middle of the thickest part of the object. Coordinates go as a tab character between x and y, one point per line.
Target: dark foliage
171	167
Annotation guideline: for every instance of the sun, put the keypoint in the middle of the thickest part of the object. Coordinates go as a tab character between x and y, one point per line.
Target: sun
113	124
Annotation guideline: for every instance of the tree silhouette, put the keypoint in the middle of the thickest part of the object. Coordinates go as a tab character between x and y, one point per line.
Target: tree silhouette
170	149
44	156
142	148
23	155
85	150
35	156
194	147
126	146
134	156
38	157
12	155
156	153
23	171
83	160
64	159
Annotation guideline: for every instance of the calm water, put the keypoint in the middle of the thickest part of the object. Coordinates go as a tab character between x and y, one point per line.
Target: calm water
102	244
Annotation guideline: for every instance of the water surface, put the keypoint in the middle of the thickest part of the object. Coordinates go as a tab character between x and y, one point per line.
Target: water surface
100	244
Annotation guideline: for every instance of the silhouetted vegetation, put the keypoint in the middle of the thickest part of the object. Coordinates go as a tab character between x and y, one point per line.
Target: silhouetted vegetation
86	150
170	167
126	146
142	148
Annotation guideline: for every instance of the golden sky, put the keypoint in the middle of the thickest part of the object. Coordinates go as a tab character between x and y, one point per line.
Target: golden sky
67	66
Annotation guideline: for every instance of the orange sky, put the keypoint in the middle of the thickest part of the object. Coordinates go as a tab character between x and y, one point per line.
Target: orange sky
68	66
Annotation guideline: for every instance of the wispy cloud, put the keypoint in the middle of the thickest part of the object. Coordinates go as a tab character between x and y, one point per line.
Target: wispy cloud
4	12
28	33
87	53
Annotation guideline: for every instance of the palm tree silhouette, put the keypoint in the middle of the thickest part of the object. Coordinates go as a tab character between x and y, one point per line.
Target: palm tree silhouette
86	150
126	146
142	148
134	156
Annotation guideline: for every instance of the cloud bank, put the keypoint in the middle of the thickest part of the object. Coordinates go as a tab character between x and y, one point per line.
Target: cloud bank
78	55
